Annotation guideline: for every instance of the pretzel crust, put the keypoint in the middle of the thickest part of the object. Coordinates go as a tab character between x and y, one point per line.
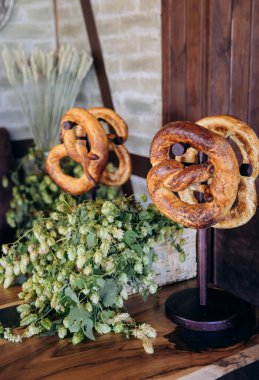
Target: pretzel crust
123	172
74	186
86	124
248	144
96	136
224	181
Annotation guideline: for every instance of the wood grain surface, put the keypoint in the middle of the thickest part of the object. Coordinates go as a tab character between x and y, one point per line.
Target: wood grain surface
210	56
110	356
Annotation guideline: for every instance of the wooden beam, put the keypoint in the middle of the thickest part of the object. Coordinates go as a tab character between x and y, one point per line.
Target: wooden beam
100	66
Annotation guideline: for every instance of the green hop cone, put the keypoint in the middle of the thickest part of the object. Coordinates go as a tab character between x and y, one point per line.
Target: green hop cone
78	337
46	323
28	320
143	197
62	332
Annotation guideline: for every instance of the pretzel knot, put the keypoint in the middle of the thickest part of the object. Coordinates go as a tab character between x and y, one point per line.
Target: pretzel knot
218	178
248	145
77	122
116	141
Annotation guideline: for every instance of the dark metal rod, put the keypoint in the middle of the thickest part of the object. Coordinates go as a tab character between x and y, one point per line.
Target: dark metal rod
202	265
202	256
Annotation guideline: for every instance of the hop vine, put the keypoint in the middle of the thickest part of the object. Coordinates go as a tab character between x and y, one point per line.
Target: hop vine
77	264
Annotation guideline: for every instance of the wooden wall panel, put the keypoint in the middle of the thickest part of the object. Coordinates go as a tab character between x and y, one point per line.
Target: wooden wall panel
253	112
194	52
166	61
212	55
219	57
240	58
178	54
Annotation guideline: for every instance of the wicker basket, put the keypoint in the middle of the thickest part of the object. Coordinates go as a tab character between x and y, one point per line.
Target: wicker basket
169	269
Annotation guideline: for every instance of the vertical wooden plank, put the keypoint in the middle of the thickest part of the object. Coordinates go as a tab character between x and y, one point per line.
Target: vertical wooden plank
194	58
218	74
240	58
178	59
229	83
166	6
205	42
236	250
253	116
219	60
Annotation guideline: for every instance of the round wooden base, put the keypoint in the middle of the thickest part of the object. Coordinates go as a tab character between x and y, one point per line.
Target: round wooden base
225	321
222	311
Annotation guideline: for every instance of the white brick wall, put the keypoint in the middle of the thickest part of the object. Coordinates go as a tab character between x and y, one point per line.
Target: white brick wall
132	51
31	24
130	37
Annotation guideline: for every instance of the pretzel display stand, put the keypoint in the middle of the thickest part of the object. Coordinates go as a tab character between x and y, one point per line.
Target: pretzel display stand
196	181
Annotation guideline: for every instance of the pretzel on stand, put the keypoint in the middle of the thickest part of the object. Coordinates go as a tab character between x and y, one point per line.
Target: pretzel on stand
168	175
116	141
77	122
246	140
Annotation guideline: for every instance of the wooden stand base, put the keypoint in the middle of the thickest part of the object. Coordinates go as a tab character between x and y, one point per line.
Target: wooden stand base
224	321
222	311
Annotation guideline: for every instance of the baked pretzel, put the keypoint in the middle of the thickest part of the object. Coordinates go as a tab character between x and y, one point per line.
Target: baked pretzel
168	176
123	172
79	121
246	140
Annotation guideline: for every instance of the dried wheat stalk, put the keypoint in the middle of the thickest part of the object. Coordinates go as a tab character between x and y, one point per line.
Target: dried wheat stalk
47	85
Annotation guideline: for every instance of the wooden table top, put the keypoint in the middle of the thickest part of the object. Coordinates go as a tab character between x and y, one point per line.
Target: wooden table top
110	356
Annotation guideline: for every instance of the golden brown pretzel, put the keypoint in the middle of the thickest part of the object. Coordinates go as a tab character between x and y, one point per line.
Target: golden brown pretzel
70	184
248	144
93	162
123	172
167	175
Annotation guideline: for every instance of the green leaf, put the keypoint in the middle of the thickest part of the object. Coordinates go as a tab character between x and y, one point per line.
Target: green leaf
130	237
71	294
75	239
22	248
151	255
144	215
76	316
80	283
83	214
91	239
109	292
106	315
87	327
137	248
101	282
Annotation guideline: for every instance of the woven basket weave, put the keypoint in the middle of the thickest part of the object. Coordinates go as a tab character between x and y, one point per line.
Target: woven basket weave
168	268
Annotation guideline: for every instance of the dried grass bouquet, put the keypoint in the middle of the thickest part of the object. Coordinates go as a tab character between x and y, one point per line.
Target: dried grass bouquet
46	84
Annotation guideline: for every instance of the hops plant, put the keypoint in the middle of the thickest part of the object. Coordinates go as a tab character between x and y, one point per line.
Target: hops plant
33	190
78	263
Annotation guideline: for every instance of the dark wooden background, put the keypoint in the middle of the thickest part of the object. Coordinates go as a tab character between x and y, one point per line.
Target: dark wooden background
211	66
